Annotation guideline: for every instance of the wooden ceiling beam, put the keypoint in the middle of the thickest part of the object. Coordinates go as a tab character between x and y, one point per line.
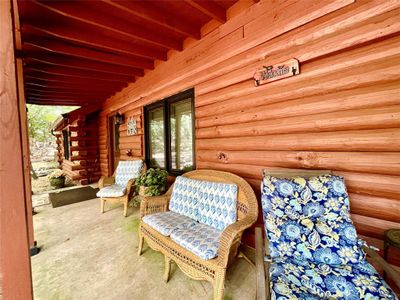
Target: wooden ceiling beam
210	8
61	47
149	13
52	70
82	98
74	84
94	39
88	14
70	98
34	57
58	103
65	88
44	91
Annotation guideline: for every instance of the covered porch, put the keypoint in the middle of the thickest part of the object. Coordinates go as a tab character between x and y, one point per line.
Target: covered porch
235	86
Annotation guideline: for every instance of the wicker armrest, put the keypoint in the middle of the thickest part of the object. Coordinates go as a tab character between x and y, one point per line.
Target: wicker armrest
104	181
151	205
129	185
231	233
385	266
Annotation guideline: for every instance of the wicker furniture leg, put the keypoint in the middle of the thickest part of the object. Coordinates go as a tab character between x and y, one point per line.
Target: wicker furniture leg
125	207
219	285
102	205
141	239
167	269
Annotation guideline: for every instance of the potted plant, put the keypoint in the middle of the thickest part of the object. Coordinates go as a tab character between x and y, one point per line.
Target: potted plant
152	183
57	179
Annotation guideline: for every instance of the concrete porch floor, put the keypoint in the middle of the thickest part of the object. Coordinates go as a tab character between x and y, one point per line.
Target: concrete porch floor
89	255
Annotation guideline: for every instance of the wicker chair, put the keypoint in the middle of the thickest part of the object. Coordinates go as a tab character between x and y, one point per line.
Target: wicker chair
262	247
212	270
119	187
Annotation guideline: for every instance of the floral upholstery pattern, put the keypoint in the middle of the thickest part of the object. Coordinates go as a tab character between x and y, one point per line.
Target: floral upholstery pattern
127	170
184	196
217	204
111	191
199	239
294	279
309	219
167	222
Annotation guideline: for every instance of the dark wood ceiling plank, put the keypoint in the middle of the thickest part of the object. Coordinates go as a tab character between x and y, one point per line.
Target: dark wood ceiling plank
65	48
35	57
89	15
210	8
149	13
94	39
53	70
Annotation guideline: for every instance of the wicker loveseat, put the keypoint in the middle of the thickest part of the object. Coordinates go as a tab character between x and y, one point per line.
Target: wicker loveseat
198	224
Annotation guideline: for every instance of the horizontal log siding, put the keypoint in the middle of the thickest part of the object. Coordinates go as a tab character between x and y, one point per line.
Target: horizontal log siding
341	113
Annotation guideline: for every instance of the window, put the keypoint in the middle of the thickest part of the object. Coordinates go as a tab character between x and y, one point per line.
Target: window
67	152
170	133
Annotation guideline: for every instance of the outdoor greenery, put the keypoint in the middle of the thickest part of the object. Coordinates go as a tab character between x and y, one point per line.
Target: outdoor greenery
41	119
155	181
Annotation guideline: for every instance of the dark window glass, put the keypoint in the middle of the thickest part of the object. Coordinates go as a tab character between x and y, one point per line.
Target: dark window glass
170	133
67	153
181	127
156	138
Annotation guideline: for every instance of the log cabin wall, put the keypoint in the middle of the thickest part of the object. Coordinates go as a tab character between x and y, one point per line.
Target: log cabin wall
341	113
83	165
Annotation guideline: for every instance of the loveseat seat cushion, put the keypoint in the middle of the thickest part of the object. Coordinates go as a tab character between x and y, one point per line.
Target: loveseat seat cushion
294	279
184	197
166	222
200	239
111	191
127	170
217	204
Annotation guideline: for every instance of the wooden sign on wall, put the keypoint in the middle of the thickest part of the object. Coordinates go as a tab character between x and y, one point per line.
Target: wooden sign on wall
131	126
276	72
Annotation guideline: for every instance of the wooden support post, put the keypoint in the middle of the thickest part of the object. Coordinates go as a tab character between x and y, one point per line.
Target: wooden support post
15	270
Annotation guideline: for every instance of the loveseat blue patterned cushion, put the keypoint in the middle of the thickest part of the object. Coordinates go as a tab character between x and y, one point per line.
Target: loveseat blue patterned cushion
111	191
199	239
305	280
309	219
184	197
217	204
127	170
166	222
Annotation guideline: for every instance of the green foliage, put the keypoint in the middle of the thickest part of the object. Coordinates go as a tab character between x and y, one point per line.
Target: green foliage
155	181
41	119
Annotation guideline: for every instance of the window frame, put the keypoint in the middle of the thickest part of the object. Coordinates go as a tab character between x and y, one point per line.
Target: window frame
165	104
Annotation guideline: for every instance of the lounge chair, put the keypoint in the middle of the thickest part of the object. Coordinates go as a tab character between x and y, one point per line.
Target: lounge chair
119	187
312	250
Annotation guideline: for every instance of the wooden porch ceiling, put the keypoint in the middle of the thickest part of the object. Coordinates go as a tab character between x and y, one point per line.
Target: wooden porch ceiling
80	52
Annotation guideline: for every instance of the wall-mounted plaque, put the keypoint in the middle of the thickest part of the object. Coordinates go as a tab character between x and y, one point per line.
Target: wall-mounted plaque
276	72
131	126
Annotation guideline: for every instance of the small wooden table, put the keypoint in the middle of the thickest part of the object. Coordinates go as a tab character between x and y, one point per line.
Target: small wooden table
392	238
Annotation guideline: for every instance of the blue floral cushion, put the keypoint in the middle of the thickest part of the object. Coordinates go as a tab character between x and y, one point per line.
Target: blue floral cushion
309	219
184	196
217	205
293	279
199	239
166	222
